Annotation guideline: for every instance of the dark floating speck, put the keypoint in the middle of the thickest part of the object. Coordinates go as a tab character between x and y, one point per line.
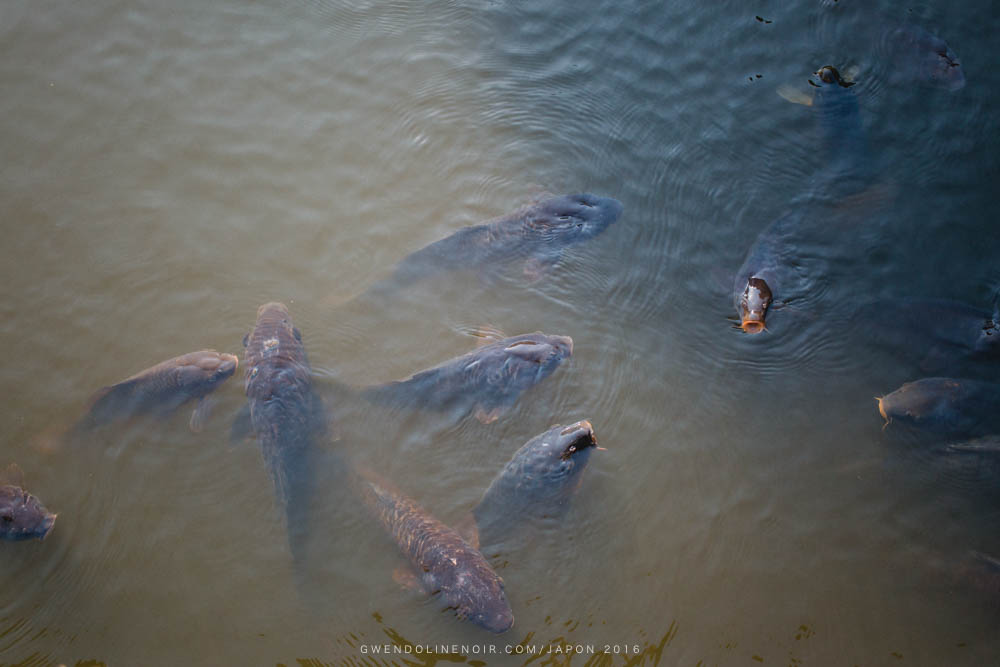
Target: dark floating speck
762	20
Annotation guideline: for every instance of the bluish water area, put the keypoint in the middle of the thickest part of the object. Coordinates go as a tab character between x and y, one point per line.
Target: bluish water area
169	167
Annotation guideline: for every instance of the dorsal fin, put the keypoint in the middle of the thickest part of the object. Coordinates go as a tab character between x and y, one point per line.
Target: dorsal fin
485	334
12	475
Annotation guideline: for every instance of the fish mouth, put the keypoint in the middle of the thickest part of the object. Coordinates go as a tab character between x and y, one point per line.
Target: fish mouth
272	306
230	362
881	410
567	342
47	525
579	435
753	326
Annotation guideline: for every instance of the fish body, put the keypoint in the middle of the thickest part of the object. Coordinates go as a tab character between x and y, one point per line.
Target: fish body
285	413
22	515
769	264
944	405
535	234
163	388
538	481
488	380
844	142
444	562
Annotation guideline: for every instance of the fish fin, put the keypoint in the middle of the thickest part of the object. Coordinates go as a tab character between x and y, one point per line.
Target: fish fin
872	199
201	413
407	578
488	416
467	528
485	334
795	95
53	438
12	475
332	389
538	193
535	268
242	426
986	559
110	403
984	445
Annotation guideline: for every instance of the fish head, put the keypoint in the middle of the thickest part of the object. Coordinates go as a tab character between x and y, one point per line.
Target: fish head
477	594
556	458
926	401
273	335
572	218
576	441
536	355
988	342
273	315
22	515
753	305
497	619
209	368
829	75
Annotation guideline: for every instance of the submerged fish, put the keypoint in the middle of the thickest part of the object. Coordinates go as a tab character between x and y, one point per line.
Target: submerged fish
444	562
283	412
22	515
913	55
487	381
935	333
848	167
538	480
944	405
910	53
769	264
163	388
535	235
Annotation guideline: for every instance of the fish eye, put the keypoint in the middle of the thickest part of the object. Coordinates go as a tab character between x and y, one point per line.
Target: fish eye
572	448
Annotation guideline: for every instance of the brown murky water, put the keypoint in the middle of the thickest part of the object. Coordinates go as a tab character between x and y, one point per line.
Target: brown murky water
168	167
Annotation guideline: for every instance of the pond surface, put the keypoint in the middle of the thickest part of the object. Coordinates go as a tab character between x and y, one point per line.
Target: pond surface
168	167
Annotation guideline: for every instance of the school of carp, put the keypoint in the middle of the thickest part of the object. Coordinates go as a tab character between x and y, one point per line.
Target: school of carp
287	412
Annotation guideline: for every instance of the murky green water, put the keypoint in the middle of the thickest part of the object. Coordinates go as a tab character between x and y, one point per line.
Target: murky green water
168	167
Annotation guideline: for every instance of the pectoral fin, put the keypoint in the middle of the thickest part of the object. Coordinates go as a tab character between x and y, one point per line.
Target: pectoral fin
12	475
201	413
242	427
407	579
486	334
794	95
488	416
536	268
467	528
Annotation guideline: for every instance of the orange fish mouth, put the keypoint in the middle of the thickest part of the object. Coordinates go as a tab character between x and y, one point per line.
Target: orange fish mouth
752	326
881	411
